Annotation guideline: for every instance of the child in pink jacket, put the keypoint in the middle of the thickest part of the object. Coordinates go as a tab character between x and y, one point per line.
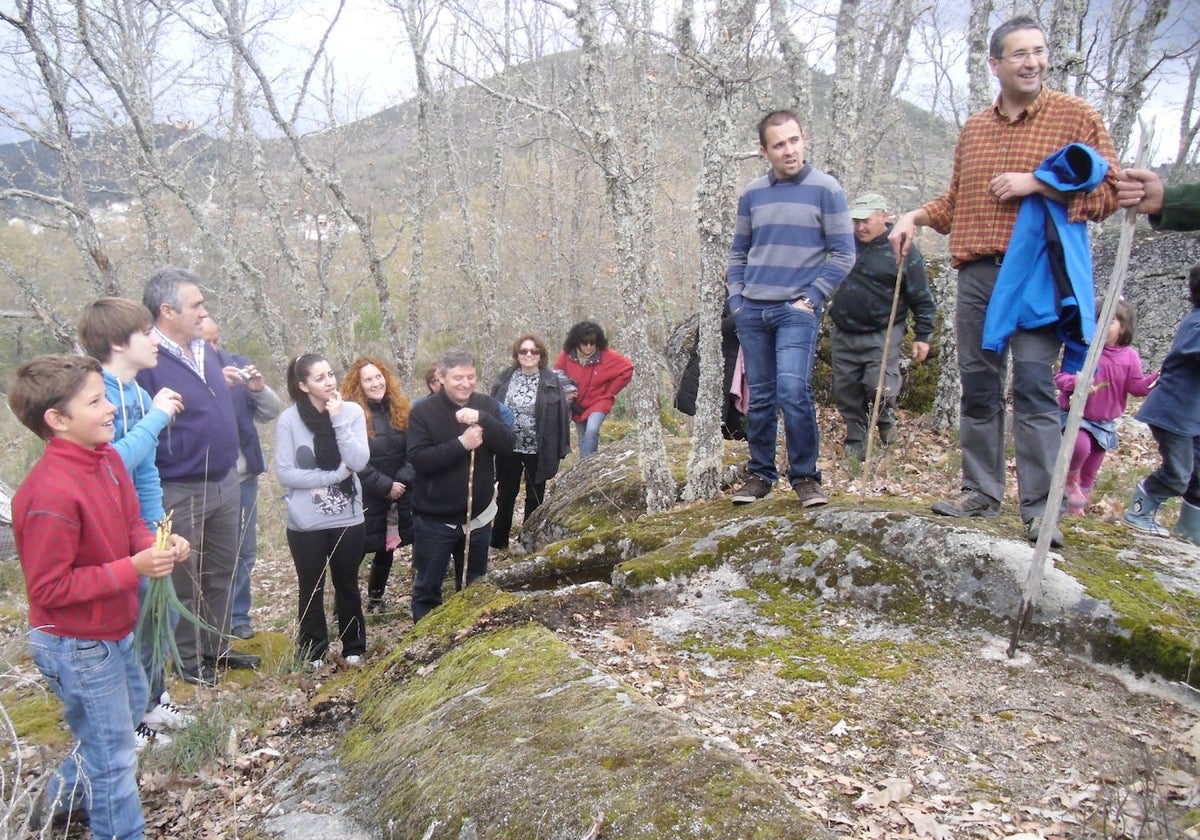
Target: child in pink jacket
1118	377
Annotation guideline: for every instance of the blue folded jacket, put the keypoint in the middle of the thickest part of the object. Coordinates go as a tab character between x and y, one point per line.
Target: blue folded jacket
1046	277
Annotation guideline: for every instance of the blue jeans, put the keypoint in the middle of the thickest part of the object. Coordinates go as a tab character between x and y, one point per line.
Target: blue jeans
247	552
434	543
1179	474
779	343
588	433
103	692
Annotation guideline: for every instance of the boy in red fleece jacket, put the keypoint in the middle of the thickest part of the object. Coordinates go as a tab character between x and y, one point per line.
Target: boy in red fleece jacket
82	545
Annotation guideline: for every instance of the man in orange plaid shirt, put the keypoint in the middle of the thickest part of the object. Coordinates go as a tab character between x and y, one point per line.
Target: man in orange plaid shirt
994	160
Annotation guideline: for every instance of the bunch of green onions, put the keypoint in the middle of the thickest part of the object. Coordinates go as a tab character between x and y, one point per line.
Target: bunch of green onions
154	630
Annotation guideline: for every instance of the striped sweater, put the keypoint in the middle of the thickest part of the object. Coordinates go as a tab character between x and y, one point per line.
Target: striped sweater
793	237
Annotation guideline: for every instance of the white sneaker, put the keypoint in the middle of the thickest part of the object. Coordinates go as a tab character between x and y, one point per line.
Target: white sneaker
316	664
144	736
354	659
166	715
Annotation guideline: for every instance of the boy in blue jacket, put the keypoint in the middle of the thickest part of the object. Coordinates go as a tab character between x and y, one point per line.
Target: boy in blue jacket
118	333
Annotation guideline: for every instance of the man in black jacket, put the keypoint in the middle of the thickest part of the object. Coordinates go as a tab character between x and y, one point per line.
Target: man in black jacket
860	312
453	438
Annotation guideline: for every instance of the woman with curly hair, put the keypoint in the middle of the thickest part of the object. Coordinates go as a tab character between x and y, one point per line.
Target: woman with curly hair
598	373
387	476
541	425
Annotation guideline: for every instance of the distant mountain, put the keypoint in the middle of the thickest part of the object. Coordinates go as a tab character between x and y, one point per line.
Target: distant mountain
30	165
913	161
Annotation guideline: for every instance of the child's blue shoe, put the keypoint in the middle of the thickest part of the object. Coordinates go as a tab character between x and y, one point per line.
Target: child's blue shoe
1140	513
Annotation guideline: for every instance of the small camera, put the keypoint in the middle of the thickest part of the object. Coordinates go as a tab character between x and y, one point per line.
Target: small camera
245	374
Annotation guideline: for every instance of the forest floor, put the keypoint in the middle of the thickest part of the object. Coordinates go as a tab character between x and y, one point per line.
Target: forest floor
971	744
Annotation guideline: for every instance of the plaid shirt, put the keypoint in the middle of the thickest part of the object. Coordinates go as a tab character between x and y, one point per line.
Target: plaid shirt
991	144
196	345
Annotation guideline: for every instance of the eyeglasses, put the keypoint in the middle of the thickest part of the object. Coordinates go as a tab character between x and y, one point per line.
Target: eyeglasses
529	351
1020	55
586	342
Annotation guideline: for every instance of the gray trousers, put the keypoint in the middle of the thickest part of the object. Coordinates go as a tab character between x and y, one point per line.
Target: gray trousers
207	514
1036	429
855	362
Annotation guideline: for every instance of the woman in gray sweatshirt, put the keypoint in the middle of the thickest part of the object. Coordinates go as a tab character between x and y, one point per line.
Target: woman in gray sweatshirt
320	443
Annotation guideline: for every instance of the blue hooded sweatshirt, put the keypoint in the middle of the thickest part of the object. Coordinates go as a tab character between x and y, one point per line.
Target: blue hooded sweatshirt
137	427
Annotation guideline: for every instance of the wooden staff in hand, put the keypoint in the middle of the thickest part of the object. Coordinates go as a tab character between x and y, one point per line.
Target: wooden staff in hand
1083	386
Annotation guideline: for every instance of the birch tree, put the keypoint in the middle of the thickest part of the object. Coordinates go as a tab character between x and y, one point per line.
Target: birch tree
1064	40
420	19
631	215
717	74
978	72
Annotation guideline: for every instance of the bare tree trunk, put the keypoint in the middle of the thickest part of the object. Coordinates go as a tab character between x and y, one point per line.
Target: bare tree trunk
796	67
631	219
878	109
943	283
1066	26
840	148
1133	93
977	54
74	201
1188	127
715	205
419	19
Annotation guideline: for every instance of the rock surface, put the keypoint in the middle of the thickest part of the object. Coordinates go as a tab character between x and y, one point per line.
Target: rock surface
842	668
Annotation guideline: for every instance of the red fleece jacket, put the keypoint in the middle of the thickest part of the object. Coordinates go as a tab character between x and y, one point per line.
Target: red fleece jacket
598	382
77	524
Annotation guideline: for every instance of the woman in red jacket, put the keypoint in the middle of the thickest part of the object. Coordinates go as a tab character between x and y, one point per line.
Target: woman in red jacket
599	374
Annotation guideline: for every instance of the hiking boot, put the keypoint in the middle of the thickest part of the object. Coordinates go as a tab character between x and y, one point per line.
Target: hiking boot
242	631
808	491
1033	530
753	490
166	715
856	449
967	503
887	434
374	604
1140	513
1188	526
144	736
202	675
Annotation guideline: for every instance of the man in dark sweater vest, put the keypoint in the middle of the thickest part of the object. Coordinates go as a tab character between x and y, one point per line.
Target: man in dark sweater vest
197	456
453	438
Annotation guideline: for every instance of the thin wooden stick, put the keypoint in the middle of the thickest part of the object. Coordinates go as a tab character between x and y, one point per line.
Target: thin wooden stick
1083	385
887	343
462	582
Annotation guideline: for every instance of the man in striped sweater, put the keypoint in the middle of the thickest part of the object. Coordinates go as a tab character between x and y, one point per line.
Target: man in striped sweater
792	245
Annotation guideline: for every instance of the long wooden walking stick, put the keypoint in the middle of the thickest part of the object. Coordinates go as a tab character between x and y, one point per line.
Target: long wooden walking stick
462	581
1083	387
887	343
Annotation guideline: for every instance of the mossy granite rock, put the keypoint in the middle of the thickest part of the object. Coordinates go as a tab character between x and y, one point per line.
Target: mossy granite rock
1111	594
507	734
484	723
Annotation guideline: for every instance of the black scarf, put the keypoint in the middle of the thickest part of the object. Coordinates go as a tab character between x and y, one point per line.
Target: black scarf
325	446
